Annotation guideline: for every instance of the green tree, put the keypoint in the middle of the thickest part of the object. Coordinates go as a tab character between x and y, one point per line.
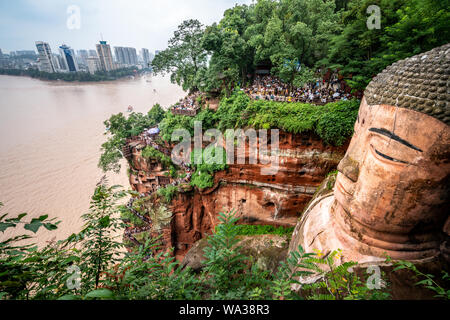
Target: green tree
407	28
422	25
227	42
98	238
184	56
297	34
27	272
119	128
156	114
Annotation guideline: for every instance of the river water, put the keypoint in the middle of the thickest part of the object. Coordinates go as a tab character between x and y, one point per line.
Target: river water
50	138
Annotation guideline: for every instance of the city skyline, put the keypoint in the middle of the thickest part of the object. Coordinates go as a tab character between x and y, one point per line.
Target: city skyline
66	59
56	47
134	24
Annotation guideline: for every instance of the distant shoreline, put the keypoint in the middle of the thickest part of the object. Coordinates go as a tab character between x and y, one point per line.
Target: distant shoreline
78	77
66	81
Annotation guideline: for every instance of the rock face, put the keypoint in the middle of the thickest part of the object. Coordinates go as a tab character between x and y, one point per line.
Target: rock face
267	251
278	199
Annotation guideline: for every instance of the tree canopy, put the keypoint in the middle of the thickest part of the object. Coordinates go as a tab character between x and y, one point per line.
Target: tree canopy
184	56
295	38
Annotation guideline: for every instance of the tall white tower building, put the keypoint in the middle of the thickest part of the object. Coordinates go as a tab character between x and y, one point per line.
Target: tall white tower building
45	57
105	56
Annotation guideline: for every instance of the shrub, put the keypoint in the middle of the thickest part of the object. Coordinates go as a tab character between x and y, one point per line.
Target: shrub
248	230
168	193
333	122
209	161
202	180
427	280
230	111
151	153
336	125
127	216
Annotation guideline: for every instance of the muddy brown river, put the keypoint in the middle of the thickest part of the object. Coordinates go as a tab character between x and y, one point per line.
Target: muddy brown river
50	138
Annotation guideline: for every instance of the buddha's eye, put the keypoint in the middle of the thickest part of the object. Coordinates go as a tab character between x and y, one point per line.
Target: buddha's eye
386	157
388	147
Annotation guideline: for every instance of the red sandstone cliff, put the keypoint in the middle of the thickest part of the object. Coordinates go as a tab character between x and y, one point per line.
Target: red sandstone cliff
304	161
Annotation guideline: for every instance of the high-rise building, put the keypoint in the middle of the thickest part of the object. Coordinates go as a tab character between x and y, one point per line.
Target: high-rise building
132	56
93	64
120	55
57	62
126	56
20	53
93	53
105	56
69	56
45	57
1	54
82	56
145	54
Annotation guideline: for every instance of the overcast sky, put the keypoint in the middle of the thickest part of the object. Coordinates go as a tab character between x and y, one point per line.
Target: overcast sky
135	23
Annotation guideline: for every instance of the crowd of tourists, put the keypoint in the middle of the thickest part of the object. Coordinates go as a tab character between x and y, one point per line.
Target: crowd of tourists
131	231
136	213
189	103
271	88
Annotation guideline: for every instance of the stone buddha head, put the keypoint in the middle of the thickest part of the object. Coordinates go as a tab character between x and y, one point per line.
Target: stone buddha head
392	189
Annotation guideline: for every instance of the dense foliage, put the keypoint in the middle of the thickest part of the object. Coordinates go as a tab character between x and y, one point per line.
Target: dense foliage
408	27
151	153
87	266
295	37
65	269
72	76
168	193
206	162
184	56
333	122
172	122
119	129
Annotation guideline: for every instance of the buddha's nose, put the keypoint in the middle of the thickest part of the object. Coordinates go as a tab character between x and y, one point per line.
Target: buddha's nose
349	168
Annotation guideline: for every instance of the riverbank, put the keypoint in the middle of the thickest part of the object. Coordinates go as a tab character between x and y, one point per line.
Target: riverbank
81	77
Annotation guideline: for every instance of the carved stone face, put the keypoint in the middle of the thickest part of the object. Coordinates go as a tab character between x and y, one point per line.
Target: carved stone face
393	183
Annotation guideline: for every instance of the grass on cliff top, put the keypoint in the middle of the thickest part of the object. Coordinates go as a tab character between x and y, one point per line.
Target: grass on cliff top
333	122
